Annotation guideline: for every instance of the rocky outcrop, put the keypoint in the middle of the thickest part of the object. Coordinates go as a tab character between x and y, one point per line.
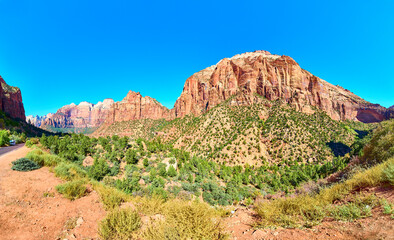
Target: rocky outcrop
37	120
84	115
134	106
11	101
273	77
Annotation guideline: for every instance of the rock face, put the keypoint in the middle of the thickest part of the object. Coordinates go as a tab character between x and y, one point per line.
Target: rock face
11	101
134	107
84	115
37	120
273	77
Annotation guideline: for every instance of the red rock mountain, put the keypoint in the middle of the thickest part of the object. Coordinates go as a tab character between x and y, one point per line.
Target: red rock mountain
134	107
243	76
273	77
84	115
11	101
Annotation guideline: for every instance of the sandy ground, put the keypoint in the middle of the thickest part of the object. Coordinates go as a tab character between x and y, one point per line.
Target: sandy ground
26	213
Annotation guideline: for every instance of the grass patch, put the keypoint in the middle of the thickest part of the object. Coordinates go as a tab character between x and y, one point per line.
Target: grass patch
72	190
69	171
111	197
120	224
24	165
48	194
44	159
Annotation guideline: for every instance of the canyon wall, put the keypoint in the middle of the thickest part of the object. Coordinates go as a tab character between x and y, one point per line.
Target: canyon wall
11	101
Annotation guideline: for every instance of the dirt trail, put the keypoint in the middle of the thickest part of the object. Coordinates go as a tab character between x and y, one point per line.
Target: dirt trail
26	213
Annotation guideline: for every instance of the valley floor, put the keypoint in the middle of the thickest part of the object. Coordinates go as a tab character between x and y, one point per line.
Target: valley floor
30	207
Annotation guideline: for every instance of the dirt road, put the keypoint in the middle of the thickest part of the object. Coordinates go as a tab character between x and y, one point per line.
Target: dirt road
4	150
30	207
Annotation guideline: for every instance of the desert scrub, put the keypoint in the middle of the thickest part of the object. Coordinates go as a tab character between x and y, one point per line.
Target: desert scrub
306	210
72	190
24	165
120	224
44	159
186	220
69	171
36	155
32	141
111	197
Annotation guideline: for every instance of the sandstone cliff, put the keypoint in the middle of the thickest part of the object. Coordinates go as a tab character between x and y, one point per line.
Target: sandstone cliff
134	107
84	115
11	101
273	77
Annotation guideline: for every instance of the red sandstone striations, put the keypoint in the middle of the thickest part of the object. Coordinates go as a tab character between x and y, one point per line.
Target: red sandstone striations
84	115
134	107
11	101
273	77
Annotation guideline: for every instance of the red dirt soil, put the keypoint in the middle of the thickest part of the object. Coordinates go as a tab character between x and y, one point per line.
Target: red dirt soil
25	213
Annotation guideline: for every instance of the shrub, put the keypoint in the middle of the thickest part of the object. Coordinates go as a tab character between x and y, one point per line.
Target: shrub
171	172
37	156
69	171
381	146
72	190
24	165
111	197
44	159
186	220
32	141
51	160
4	137
99	169
120	224
131	156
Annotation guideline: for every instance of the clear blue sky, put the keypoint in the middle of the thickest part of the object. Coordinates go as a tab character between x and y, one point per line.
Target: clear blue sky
66	51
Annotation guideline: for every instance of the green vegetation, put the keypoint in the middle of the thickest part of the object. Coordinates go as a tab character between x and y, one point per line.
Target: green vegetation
24	165
72	190
69	171
4	137
306	210
237	154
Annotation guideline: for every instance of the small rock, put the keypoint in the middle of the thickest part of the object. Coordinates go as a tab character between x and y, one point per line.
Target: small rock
79	221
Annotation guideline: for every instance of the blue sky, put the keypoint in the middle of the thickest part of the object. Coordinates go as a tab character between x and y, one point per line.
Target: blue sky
66	51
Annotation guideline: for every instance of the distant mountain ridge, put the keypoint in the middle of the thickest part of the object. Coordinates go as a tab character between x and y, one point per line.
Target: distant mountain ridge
83	115
37	120
240	77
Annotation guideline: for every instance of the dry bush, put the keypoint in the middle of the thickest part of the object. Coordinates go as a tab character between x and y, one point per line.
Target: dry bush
120	224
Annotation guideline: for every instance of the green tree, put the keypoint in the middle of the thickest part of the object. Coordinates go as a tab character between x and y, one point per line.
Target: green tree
171	171
99	169
131	156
